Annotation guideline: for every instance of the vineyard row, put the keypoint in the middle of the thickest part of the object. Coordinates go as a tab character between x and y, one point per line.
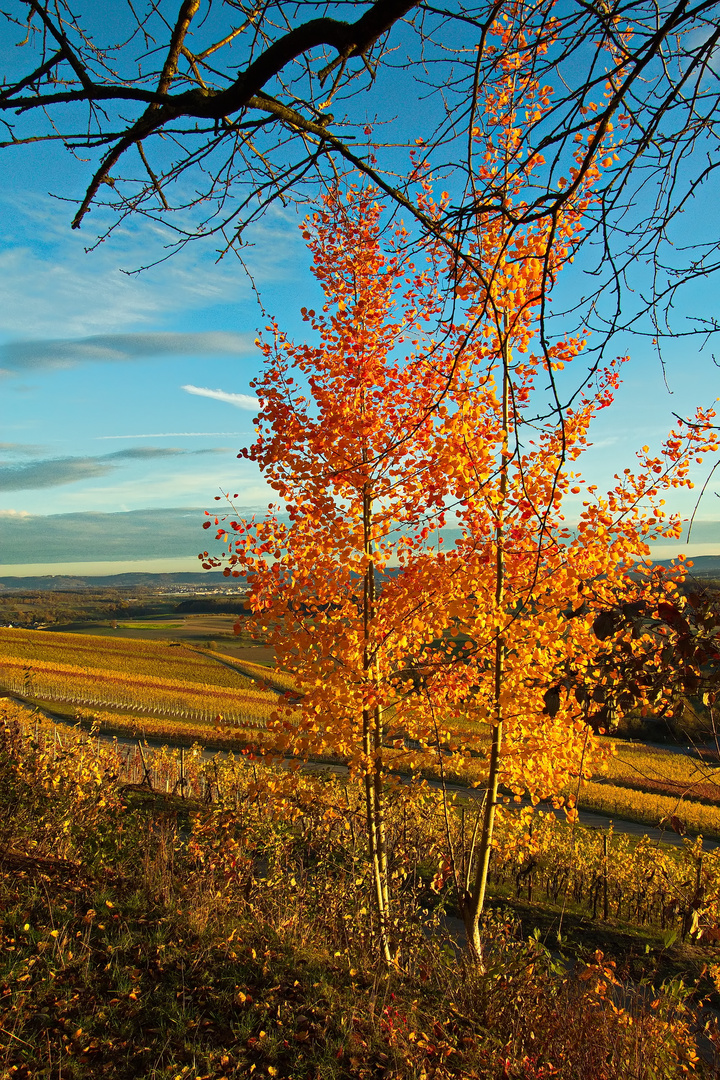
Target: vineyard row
97	690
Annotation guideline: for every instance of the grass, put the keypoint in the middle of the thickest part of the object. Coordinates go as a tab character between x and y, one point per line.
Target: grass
137	989
149	936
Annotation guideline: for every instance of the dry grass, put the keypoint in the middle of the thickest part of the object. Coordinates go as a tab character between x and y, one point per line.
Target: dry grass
181	939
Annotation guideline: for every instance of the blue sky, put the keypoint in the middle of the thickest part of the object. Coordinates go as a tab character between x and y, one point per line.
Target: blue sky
124	398
123	395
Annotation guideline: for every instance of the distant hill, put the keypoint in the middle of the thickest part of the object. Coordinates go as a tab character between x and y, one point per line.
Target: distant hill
70	583
704	567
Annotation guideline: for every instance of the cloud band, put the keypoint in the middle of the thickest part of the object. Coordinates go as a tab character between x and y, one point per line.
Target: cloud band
53	472
114	348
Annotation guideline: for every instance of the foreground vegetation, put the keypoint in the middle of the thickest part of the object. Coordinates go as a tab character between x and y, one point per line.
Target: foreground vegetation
228	933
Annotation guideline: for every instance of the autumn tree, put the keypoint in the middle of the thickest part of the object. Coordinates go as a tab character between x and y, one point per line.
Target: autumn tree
370	438
347	436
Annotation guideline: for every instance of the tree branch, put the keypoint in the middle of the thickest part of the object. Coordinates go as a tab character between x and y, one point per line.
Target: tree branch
350	39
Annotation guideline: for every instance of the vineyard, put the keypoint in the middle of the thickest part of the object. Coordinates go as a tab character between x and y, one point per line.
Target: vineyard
650	808
666	772
611	876
151	679
538	857
176	693
651	784
164	659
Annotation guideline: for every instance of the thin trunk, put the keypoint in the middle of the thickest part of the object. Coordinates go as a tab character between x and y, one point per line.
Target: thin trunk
472	903
379	783
379	807
373	732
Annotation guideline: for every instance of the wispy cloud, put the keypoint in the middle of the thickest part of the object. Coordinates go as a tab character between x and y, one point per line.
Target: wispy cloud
52	472
240	401
113	348
173	435
143	452
69	293
20	449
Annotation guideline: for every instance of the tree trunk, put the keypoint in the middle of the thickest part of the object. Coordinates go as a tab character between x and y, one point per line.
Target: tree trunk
373	733
472	902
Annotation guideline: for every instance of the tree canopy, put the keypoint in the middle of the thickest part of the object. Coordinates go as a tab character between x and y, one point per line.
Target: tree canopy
370	433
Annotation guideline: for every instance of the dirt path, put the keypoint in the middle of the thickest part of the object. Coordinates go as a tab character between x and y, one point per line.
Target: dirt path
241	667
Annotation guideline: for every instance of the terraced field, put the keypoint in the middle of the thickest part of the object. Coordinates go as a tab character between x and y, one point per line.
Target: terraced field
176	692
145	678
207	630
